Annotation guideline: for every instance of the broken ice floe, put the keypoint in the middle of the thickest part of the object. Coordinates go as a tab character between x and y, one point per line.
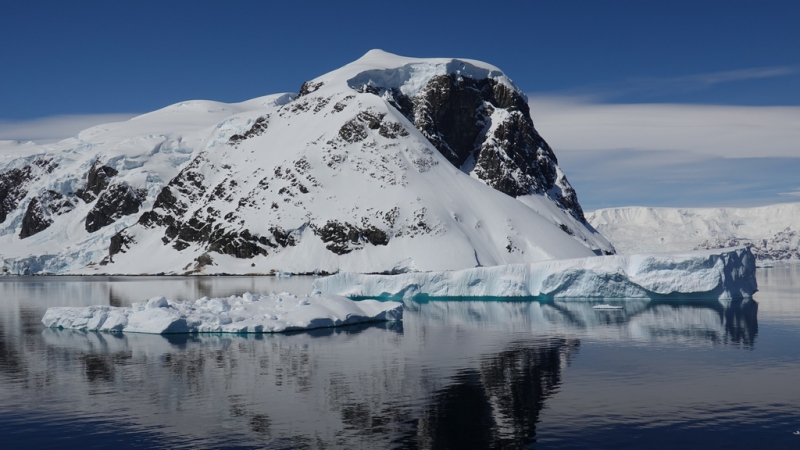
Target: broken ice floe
246	314
715	274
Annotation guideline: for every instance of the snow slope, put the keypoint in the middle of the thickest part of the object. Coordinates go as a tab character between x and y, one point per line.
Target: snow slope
246	314
726	274
388	164
147	151
772	232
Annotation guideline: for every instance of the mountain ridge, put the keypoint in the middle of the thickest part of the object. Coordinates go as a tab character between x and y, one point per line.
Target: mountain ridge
340	177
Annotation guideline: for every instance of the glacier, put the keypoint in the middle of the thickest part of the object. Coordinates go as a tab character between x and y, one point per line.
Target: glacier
772	232
261	313
713	274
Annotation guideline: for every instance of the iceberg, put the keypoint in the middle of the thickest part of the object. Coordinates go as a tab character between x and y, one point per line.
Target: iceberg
713	274
246	314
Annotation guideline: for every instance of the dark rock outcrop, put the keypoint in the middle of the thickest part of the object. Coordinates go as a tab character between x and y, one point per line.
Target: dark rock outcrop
12	189
14	184
117	201
35	220
97	180
457	115
38	215
343	238
119	243
259	127
220	235
309	87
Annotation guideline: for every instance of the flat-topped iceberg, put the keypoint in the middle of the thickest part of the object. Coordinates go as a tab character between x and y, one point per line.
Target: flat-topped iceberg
714	274
246	314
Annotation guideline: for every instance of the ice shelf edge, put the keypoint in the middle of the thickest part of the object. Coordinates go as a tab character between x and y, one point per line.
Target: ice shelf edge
712	274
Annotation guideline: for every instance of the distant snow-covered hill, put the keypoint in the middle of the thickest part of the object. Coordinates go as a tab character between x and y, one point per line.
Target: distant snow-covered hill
772	232
388	164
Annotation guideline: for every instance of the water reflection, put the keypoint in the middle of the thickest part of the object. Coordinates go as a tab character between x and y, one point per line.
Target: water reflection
496	404
733	322
454	374
300	391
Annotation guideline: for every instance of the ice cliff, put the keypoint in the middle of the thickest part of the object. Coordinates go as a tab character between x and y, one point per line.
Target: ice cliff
715	274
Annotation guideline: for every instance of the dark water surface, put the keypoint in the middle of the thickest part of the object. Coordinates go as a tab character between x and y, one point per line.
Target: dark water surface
458	374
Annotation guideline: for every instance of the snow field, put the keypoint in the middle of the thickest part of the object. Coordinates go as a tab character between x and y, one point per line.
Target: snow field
643	229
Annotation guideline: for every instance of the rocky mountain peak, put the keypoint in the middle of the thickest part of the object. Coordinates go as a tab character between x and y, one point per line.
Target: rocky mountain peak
388	164
475	117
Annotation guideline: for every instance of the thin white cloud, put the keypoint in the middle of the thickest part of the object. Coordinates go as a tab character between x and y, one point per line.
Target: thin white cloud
660	86
698	82
711	130
673	154
609	178
738	75
48	129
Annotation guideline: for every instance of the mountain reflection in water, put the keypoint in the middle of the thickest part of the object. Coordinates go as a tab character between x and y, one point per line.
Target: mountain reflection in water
454	374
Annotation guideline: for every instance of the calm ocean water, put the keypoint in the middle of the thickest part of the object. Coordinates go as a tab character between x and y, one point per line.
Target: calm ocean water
457	374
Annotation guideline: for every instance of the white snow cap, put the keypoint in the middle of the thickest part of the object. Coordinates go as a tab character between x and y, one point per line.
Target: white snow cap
409	75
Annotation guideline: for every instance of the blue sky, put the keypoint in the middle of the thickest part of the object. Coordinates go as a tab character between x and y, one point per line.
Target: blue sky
86	60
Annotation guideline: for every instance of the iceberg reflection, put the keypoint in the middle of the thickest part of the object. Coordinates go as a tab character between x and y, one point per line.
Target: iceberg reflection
689	322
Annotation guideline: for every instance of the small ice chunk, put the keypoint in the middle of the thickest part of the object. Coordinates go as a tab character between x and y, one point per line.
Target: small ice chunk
218	305
224	320
157	302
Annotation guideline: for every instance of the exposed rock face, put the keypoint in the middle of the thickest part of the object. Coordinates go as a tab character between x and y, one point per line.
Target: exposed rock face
13	184
484	127
258	128
343	238
205	226
34	221
96	181
308	87
40	210
12	189
119	243
117	201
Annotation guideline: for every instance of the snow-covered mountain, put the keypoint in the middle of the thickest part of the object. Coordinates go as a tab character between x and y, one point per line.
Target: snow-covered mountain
772	232
388	164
